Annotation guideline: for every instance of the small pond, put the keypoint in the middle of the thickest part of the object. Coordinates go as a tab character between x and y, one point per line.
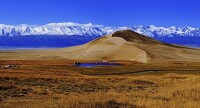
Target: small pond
98	64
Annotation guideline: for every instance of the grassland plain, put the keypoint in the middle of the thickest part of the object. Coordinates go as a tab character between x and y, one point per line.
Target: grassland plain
59	84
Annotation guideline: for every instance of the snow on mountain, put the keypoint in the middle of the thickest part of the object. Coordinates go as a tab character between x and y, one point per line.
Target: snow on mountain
70	29
172	31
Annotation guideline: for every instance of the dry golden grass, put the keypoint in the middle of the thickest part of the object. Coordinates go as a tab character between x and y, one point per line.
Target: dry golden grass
32	85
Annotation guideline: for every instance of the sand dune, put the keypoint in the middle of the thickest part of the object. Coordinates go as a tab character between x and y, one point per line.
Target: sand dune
121	45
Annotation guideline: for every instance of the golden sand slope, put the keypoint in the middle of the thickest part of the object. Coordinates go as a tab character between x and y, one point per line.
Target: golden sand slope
107	48
121	45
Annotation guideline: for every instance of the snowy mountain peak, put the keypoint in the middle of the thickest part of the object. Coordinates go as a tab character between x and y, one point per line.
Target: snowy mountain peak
70	24
89	29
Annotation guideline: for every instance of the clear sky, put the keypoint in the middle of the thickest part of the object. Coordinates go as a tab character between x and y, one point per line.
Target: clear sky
106	12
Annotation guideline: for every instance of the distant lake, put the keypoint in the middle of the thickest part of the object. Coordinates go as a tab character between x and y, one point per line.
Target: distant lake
25	48
49	42
42	42
192	45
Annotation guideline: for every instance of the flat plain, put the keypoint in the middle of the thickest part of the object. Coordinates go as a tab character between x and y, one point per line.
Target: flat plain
59	84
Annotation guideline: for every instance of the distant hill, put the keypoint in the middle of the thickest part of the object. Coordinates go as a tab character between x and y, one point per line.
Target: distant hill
121	45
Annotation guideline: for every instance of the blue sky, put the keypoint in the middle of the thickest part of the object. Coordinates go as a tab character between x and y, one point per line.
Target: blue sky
106	12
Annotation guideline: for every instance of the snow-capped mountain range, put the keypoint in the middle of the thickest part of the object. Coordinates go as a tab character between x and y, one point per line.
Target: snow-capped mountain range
70	29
